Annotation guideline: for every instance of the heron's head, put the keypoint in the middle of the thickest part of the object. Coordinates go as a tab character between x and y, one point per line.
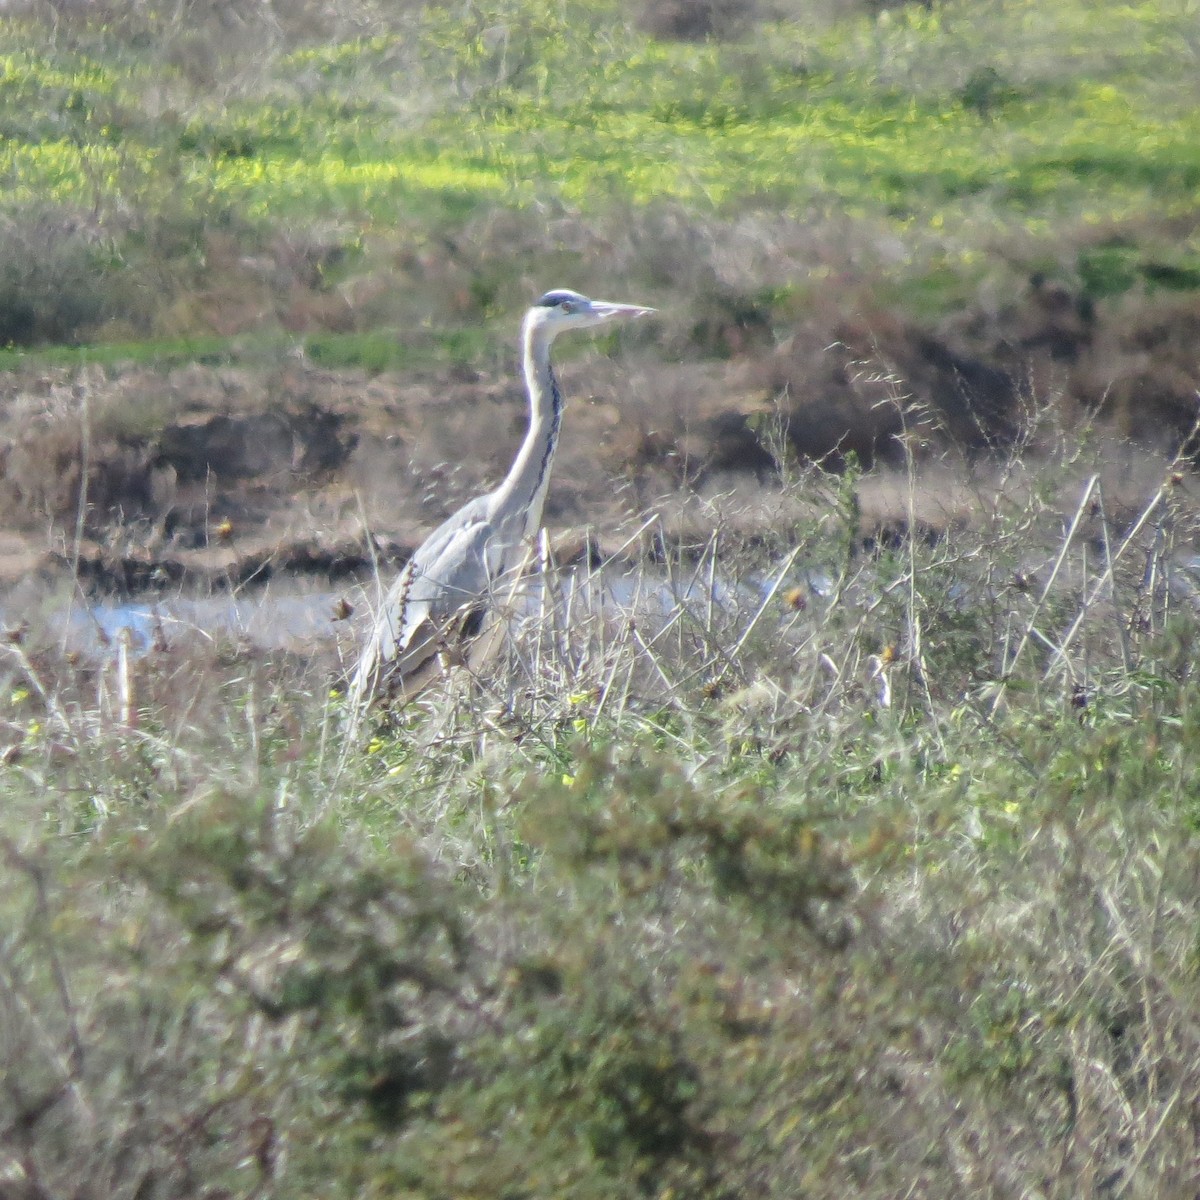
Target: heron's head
560	310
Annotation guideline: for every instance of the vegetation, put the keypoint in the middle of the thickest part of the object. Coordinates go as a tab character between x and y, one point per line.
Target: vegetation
802	858
876	874
308	169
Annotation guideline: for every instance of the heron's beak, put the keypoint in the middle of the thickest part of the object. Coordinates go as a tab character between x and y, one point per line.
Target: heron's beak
606	311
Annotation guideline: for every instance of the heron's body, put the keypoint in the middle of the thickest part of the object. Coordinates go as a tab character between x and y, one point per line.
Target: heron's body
442	605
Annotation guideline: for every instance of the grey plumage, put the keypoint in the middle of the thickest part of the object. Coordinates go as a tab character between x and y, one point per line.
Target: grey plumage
442	606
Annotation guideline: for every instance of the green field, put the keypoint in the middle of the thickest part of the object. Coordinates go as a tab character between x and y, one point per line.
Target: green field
932	151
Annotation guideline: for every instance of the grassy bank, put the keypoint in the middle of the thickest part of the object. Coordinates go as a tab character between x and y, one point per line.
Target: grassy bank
855	872
174	175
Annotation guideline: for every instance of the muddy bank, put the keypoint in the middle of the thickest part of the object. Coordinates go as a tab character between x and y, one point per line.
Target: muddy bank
144	479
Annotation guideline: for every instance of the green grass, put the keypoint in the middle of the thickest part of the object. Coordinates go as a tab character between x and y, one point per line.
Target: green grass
162	351
374	352
944	126
637	122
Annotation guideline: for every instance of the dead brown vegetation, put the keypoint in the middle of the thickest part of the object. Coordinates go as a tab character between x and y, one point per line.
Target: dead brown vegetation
289	452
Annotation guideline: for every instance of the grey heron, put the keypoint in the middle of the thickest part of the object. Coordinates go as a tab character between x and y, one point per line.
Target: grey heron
439	609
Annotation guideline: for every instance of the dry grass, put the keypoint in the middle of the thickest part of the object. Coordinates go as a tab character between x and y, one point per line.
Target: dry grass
800	863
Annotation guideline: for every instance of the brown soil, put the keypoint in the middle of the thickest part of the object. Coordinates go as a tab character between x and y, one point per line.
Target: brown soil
219	476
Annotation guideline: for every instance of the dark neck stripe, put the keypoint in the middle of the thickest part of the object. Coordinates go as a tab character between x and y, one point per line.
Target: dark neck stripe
556	407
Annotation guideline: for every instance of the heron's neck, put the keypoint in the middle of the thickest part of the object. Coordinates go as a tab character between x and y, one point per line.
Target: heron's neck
525	485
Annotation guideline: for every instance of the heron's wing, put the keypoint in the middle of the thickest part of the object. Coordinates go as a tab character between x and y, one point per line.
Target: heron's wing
431	602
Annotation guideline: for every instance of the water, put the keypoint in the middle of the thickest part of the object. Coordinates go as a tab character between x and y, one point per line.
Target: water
270	619
292	618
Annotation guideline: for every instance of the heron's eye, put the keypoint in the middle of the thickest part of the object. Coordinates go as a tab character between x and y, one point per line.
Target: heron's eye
566	306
